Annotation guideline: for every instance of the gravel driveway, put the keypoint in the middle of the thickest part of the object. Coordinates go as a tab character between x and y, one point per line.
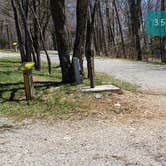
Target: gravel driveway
85	143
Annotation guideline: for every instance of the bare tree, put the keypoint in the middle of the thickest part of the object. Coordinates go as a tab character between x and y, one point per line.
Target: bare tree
134	7
90	51
59	20
79	47
162	39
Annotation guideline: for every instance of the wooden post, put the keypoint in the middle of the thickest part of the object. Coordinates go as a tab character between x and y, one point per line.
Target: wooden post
28	80
92	72
28	84
90	53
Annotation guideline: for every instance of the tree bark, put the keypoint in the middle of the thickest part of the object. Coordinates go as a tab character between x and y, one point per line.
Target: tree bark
28	37
120	28
104	42
59	20
42	40
19	34
36	36
80	41
111	40
162	39
135	25
90	53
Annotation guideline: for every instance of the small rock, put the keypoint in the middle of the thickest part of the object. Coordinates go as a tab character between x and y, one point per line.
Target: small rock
98	96
67	138
2	142
117	105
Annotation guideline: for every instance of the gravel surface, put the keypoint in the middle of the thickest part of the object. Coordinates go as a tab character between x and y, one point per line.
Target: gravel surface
150	77
88	142
6	54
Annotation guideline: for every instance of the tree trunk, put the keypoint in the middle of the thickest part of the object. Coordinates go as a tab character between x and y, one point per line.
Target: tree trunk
80	41
42	40
162	39
23	8
28	37
90	53
111	40
120	28
104	42
19	34
135	25
59	20
36	36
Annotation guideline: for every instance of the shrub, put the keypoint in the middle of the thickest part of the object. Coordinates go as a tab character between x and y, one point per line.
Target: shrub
3	43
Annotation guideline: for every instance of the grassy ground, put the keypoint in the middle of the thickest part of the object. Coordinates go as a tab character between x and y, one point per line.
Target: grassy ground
8	51
52	99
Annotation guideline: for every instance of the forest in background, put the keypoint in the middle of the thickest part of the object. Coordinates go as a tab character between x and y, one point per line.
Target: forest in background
118	27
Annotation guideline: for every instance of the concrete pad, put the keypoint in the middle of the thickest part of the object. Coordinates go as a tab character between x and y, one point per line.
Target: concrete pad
102	88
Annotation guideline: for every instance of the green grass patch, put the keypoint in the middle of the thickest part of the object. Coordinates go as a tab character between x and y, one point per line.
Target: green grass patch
52	98
8	51
106	79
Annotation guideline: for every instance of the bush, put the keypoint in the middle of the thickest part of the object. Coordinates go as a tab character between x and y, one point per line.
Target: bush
3	43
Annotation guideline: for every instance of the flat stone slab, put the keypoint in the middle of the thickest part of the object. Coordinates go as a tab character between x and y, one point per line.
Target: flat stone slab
102	88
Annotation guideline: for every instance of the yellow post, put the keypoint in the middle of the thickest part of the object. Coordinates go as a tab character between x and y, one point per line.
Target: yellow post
28	84
15	46
28	80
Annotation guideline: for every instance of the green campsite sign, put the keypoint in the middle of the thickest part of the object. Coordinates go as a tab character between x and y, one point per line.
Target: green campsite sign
156	23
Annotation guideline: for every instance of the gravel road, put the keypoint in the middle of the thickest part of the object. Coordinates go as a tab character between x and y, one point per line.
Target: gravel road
149	77
85	143
6	54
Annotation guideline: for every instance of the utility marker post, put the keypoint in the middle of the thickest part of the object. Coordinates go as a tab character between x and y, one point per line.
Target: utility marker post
28	80
15	46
